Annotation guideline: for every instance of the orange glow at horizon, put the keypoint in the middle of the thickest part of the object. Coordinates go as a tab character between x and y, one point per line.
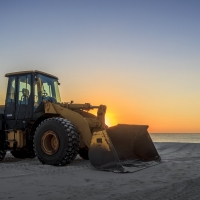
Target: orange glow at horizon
164	114
161	117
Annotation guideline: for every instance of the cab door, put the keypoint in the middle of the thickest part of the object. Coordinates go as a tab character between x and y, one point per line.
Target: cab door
10	106
24	97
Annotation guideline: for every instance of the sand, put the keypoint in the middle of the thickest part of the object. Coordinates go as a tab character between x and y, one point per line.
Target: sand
177	177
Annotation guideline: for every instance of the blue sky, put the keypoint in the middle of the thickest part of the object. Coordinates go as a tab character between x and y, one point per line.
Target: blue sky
142	53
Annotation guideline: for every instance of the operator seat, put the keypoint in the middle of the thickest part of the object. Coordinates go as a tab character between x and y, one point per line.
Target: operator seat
25	96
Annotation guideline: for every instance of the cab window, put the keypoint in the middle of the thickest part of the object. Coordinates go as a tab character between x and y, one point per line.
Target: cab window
47	87
11	90
24	88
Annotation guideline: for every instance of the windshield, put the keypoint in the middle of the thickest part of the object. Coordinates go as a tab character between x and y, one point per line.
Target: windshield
46	87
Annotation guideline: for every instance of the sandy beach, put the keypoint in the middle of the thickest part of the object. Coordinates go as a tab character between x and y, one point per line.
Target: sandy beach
176	177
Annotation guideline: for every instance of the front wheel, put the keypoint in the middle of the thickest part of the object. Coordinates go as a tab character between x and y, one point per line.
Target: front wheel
56	141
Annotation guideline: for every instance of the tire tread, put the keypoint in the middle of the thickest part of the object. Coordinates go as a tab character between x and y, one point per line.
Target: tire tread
71	151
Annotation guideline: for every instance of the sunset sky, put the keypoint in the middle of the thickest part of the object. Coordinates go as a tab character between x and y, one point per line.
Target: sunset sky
141	58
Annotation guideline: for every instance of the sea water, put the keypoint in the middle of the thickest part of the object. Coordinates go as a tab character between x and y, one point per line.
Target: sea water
176	137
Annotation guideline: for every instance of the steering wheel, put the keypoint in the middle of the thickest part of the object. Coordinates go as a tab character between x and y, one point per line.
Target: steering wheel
44	94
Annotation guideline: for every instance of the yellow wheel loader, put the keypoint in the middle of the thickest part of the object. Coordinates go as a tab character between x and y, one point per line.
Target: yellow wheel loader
34	122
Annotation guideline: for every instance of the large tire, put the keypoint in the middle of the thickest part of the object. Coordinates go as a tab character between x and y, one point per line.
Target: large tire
2	154
56	141
22	154
19	154
83	153
26	151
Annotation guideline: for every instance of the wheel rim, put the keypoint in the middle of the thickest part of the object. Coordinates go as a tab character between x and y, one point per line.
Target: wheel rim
50	142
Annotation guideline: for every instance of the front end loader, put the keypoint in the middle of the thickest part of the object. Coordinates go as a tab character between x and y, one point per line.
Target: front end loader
34	122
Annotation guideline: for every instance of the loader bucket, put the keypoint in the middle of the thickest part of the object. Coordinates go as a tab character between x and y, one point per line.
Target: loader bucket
123	148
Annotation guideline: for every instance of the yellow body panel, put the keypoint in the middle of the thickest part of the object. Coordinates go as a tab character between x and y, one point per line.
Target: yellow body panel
20	137
75	118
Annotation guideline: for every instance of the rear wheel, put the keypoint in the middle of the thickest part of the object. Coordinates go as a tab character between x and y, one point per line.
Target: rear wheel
56	141
22	154
26	151
2	154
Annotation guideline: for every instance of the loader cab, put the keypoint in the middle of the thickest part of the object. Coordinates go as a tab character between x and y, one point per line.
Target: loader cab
25	92
45	88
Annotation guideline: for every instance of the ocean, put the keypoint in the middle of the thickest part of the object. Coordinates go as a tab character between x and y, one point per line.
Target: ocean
176	137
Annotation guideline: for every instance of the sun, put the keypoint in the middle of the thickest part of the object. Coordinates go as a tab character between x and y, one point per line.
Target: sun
108	122
110	119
